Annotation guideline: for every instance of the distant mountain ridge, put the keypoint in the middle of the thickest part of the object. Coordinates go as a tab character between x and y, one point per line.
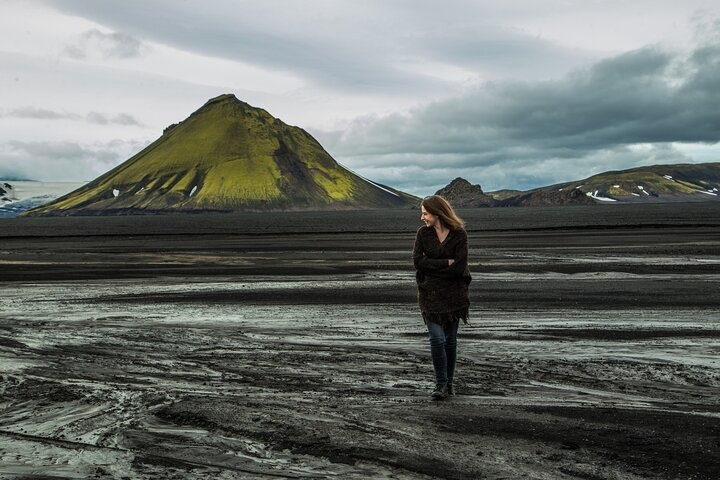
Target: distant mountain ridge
227	156
542	197
688	182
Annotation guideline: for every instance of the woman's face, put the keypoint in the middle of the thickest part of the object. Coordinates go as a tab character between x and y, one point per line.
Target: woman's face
429	219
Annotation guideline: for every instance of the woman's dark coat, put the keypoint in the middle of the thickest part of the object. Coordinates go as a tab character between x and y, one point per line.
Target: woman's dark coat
442	288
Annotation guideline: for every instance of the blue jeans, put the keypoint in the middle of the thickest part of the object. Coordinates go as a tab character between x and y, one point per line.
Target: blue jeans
443	348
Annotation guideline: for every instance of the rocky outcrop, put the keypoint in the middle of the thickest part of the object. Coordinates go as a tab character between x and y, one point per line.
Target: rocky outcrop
462	194
6	192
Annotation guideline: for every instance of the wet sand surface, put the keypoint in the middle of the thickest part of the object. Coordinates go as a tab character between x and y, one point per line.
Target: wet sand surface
271	351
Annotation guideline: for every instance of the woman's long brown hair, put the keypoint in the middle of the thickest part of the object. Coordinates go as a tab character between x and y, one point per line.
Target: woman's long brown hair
440	207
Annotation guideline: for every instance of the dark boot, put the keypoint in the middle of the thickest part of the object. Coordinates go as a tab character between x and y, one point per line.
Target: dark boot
440	392
450	389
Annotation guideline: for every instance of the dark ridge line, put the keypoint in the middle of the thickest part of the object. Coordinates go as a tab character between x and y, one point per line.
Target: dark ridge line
357	232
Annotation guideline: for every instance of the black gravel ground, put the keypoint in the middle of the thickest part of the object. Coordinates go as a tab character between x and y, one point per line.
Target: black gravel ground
289	346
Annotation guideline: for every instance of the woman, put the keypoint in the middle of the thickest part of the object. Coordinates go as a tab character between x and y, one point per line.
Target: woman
441	260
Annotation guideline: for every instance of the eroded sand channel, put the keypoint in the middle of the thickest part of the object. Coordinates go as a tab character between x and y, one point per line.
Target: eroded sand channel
235	388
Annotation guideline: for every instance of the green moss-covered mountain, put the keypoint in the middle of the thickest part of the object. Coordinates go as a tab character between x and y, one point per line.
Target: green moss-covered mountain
227	156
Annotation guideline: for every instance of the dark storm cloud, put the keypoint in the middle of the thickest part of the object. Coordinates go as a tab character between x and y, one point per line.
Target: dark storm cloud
587	120
92	117
642	96
94	43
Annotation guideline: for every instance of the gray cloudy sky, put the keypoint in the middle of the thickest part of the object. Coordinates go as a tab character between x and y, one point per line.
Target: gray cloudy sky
410	93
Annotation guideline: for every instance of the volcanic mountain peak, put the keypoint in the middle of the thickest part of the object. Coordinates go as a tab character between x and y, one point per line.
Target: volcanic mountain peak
227	155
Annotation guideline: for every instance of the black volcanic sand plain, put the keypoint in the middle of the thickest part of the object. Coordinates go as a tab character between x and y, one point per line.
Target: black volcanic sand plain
289	345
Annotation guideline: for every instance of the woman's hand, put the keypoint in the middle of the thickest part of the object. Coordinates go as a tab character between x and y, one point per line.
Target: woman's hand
450	261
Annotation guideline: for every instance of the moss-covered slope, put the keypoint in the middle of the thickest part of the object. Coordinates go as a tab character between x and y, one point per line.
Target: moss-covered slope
686	182
672	182
227	156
